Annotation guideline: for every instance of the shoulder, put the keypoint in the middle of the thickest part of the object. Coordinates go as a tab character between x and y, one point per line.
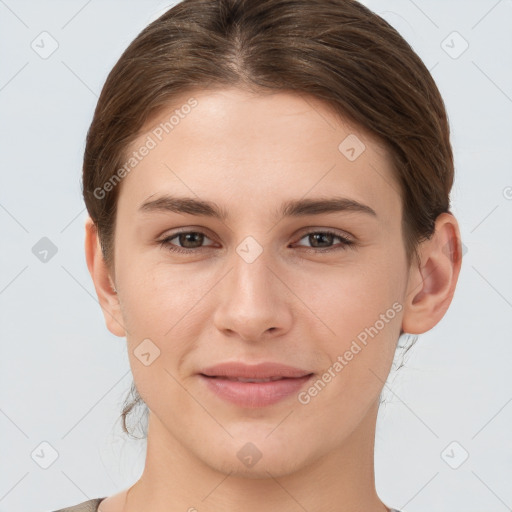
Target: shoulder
86	506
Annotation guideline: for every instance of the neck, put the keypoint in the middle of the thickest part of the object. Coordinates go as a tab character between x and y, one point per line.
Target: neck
339	481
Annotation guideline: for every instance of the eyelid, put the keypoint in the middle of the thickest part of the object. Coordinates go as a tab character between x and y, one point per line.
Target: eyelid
302	233
171	233
347	240
164	240
336	232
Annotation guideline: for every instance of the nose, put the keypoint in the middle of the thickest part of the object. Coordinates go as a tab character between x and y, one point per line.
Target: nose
254	302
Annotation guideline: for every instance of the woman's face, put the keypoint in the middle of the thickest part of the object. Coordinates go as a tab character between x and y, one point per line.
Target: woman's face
251	287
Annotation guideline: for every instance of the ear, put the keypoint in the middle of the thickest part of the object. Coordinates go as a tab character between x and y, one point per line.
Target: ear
103	282
431	285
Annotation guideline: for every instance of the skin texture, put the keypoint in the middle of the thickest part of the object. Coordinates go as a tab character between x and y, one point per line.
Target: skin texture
249	153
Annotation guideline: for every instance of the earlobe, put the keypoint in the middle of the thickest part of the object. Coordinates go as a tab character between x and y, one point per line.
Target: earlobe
103	282
432	284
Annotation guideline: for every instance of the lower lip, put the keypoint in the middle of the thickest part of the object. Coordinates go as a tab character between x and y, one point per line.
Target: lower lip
255	394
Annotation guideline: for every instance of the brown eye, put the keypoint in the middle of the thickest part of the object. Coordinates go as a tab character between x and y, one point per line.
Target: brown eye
191	241
192	238
319	240
188	241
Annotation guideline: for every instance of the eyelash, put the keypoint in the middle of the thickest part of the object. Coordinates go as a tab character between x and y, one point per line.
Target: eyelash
346	243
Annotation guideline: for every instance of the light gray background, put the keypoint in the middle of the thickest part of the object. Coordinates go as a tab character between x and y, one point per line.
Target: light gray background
64	376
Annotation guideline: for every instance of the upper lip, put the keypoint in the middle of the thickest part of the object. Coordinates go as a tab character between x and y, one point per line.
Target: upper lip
257	371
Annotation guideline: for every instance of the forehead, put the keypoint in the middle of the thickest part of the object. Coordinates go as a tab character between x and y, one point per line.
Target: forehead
237	147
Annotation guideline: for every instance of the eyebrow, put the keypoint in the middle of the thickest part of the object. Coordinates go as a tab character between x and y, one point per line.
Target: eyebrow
291	208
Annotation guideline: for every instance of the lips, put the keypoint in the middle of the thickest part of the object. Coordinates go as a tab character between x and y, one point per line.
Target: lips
259	372
255	394
253	386
241	379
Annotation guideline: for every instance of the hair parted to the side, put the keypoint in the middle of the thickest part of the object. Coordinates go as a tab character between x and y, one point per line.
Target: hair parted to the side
337	51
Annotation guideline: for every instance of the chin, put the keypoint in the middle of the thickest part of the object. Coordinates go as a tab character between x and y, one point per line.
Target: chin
257	459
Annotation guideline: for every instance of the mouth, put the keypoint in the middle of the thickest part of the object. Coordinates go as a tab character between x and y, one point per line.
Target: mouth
260	371
242	379
252	392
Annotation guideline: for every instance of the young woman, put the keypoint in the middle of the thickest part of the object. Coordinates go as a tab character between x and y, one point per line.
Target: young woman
268	188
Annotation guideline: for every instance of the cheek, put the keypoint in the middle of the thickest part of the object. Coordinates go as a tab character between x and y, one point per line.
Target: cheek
153	290
345	300
165	303
158	310
361	307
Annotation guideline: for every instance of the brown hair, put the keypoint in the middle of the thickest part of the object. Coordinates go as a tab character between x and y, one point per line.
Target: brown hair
335	50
